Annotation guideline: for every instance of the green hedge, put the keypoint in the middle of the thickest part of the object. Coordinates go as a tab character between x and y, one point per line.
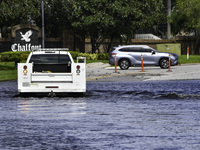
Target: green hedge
99	56
20	56
13	56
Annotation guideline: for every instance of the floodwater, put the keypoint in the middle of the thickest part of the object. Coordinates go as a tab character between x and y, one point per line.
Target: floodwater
162	115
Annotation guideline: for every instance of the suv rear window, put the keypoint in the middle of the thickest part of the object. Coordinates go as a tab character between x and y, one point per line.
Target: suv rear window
50	59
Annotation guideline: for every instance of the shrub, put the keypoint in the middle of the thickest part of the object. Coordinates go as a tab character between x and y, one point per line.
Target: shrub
88	56
74	54
23	55
103	56
99	56
93	57
14	56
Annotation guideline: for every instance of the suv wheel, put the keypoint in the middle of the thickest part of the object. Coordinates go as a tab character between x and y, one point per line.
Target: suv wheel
124	64
164	63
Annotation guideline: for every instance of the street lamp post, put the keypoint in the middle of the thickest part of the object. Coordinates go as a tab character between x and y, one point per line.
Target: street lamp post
43	44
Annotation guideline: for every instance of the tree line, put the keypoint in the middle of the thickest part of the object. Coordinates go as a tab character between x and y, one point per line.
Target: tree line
100	20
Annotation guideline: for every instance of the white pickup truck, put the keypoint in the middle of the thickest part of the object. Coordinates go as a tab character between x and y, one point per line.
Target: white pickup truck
51	71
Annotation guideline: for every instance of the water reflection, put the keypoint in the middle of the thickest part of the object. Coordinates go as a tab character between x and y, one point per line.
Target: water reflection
52	107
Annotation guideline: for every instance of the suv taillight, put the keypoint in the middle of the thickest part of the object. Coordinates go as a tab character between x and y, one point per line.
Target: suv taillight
113	53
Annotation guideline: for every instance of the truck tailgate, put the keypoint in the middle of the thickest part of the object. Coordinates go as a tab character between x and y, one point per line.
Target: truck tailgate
51	77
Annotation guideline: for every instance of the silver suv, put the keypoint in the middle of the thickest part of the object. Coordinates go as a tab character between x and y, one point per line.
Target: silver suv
130	55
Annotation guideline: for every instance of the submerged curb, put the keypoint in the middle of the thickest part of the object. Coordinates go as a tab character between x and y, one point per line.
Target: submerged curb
115	75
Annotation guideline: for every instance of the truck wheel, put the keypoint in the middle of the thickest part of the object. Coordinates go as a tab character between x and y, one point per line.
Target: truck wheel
124	64
164	63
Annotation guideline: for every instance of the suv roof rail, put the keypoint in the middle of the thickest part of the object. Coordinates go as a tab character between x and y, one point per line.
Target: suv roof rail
52	49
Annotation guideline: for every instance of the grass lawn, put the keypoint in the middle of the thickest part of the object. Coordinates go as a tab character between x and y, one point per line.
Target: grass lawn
93	61
8	75
8	71
192	59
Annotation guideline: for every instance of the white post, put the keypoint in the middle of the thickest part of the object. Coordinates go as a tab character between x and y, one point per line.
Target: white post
188	53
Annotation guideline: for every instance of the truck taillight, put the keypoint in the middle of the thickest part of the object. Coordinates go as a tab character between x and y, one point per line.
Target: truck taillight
78	67
78	70
25	70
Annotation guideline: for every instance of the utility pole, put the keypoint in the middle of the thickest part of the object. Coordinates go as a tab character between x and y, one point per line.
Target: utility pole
168	22
43	44
0	33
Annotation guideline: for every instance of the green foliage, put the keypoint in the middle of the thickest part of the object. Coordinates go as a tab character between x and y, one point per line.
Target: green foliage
103	56
7	66
14	56
185	19
97	19
89	56
105	19
17	11
74	54
98	56
177	22
190	9
186	15
22	56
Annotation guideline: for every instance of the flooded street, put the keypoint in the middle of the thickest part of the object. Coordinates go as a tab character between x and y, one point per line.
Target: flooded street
151	115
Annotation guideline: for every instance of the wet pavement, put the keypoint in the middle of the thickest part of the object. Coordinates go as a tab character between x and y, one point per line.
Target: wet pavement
152	115
102	72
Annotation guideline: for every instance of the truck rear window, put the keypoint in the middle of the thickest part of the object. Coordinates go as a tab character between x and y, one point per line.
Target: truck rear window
50	59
